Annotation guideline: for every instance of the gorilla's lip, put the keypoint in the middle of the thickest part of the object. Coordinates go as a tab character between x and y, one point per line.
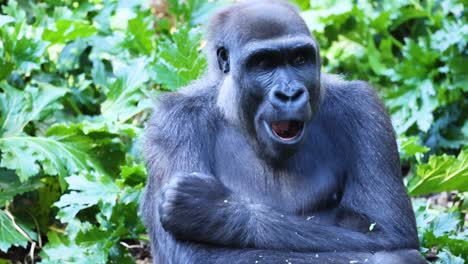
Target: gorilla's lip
287	131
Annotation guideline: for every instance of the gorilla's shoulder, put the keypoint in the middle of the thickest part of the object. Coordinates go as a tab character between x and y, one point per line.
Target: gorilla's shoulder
185	103
183	114
338	90
352	102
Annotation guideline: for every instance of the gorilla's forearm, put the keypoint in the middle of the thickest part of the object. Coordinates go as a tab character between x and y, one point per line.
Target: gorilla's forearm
232	223
197	207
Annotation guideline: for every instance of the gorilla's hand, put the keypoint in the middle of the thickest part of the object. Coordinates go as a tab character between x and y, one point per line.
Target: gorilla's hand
189	199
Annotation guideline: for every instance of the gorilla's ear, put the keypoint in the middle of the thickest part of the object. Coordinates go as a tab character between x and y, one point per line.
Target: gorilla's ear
223	59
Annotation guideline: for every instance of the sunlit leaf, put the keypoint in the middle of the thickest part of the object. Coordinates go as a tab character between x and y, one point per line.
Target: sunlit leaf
441	173
126	96
87	189
18	108
67	30
9	235
179	60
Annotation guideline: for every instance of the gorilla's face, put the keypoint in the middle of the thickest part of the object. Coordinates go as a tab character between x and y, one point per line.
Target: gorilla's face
280	89
268	53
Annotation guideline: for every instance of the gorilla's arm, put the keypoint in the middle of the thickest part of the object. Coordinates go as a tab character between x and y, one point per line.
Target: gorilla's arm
374	187
197	207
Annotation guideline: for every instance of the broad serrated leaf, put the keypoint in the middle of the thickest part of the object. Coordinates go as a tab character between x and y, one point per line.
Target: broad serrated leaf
179	60
453	33
140	35
133	175
9	236
10	186
440	229
126	96
132	183
61	249
446	223
87	189
409	147
64	151
22	49
441	173
18	108
67	30
446	257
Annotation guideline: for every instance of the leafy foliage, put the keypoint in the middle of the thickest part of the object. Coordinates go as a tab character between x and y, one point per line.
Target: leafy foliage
442	230
77	80
441	173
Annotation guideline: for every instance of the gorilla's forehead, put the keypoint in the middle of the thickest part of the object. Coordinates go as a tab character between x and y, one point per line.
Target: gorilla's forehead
279	43
266	21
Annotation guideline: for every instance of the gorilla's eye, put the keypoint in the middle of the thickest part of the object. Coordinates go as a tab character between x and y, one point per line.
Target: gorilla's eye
264	60
299	60
265	63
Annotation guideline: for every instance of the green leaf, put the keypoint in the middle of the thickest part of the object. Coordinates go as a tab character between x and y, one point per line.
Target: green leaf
10	186
21	50
440	229
445	223
409	147
414	106
18	108
132	183
203	10
303	4
126	96
453	33
441	173
62	249
67	30
179	60
9	236
5	20
374	58
140	34
87	189
64	151
194	12
134	175
70	57
445	257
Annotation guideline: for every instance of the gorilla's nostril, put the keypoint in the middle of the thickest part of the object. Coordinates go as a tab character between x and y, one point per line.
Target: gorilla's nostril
297	95
288	97
281	96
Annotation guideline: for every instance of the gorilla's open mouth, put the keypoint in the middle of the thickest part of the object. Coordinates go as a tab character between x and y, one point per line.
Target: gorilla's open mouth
287	129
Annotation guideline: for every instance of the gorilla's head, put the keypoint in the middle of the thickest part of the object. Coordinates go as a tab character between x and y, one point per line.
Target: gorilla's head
269	67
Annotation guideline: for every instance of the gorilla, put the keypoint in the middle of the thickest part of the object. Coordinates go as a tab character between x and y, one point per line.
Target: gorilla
267	160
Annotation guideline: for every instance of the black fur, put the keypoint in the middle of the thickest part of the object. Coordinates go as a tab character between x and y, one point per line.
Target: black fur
220	191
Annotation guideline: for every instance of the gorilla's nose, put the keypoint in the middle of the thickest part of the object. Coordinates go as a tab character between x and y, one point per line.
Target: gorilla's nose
289	96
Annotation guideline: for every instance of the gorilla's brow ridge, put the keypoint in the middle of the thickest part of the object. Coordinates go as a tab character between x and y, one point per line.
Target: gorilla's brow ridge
277	44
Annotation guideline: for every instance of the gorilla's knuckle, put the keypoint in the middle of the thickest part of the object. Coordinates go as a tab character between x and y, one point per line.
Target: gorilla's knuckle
201	178
165	214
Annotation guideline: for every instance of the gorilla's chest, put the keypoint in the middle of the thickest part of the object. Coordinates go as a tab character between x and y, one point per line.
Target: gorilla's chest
309	182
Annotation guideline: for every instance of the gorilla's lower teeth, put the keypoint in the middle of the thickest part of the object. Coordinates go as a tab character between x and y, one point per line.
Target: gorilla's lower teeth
287	129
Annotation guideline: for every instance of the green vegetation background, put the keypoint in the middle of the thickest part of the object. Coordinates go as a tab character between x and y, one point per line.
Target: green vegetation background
77	80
